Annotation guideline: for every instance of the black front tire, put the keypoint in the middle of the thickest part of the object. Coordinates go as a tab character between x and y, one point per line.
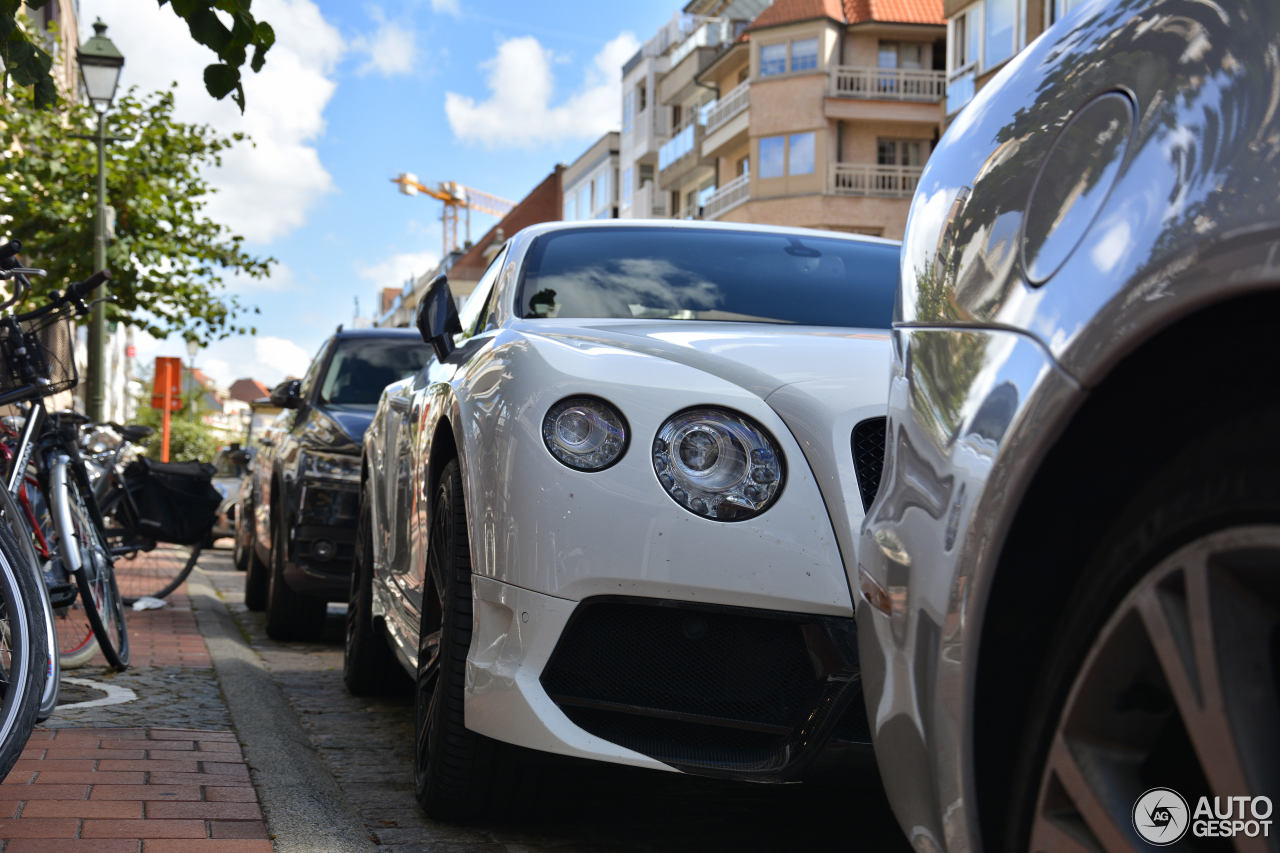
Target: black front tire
368	666
291	615
459	776
25	654
1164	661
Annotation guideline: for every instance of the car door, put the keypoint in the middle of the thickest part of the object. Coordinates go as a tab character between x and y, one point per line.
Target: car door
430	387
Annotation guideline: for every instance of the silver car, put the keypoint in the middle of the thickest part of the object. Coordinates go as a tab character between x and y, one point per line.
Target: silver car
1069	619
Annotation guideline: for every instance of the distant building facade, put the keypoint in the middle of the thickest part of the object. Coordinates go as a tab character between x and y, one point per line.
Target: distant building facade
590	183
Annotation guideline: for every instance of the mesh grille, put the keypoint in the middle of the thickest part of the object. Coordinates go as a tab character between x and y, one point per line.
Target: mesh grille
868	457
706	664
44	353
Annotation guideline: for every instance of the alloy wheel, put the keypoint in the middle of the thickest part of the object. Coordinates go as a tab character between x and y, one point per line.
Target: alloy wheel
1179	690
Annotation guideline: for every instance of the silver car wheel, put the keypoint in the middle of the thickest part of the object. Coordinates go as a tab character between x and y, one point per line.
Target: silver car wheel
1180	689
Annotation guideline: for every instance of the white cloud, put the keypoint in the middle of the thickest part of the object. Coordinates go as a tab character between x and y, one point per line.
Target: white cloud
264	190
397	269
391	49
450	7
519	112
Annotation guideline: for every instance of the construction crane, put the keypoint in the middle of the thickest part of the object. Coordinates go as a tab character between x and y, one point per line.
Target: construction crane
454	196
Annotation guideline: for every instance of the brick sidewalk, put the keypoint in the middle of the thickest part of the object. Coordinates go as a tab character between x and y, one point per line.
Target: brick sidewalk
142	790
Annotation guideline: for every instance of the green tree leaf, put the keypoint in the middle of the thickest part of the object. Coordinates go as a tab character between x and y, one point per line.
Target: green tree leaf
169	262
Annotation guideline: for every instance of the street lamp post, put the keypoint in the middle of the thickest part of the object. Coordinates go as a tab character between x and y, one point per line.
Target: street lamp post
100	64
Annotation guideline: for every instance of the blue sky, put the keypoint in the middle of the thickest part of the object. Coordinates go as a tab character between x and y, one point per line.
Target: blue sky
490	94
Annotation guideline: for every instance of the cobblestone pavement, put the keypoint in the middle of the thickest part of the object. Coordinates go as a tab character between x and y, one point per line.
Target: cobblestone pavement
580	806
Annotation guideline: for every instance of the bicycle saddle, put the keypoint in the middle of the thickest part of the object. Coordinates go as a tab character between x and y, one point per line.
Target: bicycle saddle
136	433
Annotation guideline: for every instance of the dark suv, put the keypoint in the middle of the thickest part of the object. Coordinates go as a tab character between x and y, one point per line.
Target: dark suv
308	477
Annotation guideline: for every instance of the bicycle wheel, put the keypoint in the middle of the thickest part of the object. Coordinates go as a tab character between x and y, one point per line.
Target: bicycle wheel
157	572
20	525
24	653
97	580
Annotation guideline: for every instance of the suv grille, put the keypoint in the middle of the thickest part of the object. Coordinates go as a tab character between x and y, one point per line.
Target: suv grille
868	457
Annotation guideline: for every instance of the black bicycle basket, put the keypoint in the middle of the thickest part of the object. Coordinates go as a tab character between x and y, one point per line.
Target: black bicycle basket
48	342
176	501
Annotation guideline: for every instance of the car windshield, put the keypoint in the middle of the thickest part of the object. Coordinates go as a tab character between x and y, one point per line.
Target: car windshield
362	367
678	274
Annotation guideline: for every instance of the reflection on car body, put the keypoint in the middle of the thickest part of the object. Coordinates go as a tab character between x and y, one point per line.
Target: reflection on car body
1069	588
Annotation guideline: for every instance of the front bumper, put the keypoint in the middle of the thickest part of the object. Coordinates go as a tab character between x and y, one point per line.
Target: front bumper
322	540
713	690
970	412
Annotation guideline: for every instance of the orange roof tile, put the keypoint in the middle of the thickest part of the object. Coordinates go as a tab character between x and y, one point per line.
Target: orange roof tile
895	11
851	12
791	11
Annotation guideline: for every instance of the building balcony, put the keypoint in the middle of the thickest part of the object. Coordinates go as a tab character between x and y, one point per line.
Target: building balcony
729	106
680	154
873	181
648	131
887	84
648	202
727	197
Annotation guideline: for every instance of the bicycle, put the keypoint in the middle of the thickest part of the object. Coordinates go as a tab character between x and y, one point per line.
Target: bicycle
38	356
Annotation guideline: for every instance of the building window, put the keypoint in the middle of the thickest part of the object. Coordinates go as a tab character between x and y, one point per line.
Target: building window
605	196
626	189
800	155
1056	10
584	202
773	59
786	155
628	111
773	156
964	39
642	97
804	54
901	55
568	207
901	152
998	31
744	165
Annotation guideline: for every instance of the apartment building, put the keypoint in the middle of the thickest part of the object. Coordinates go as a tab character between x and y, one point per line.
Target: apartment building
824	115
661	98
982	35
591	181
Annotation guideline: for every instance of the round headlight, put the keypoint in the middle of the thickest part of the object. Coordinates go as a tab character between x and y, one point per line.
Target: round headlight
585	433
718	464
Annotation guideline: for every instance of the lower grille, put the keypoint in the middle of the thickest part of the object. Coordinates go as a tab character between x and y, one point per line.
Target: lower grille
704	688
868	457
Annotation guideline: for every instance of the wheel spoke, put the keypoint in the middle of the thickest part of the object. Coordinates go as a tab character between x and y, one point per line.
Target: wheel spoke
1178	621
1089	803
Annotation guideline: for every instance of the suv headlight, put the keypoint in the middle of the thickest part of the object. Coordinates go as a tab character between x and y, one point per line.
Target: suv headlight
718	463
330	466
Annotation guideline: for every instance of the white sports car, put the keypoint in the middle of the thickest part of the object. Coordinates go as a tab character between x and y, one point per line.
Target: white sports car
611	517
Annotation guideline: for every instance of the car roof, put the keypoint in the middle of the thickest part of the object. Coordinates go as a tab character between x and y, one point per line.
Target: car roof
346	334
698	225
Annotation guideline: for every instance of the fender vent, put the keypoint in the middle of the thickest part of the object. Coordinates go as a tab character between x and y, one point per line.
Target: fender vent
868	457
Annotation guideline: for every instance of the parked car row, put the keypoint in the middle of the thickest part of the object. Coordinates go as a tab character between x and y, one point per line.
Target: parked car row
720	499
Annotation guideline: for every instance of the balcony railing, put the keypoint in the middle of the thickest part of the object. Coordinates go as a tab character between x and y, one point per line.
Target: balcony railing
727	197
888	84
729	106
684	141
880	181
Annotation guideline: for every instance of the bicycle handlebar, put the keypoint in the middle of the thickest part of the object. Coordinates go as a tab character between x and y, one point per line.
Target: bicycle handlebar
74	294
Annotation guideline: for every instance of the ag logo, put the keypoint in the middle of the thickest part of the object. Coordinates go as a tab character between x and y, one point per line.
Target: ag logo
1161	817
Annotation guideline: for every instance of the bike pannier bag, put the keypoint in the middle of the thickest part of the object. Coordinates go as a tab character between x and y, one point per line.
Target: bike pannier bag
176	500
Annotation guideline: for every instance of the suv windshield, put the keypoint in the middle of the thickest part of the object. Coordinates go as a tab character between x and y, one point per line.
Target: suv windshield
362	367
677	274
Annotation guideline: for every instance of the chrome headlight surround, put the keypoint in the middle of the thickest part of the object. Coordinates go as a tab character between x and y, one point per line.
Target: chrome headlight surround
718	463
585	433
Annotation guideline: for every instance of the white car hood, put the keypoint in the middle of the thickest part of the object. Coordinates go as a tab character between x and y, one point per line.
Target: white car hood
759	357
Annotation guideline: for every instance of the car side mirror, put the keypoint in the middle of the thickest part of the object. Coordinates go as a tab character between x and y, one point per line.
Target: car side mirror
437	317
286	394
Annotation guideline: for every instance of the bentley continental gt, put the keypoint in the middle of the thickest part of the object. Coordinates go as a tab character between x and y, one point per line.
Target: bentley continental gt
611	516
